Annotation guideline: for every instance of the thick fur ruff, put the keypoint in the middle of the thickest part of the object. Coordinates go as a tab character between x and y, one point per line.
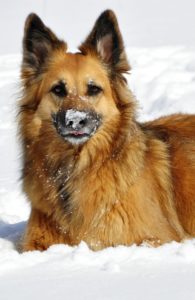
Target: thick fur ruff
129	182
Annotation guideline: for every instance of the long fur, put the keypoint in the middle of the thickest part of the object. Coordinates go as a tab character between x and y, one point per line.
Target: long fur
130	182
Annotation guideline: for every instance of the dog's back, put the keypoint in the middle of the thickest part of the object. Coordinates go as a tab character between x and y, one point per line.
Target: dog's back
178	132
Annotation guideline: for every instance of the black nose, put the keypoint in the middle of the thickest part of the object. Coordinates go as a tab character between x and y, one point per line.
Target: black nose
76	120
77	124
71	119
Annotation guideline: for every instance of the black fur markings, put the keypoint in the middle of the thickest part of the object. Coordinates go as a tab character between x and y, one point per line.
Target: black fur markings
38	42
59	176
106	33
64	199
105	26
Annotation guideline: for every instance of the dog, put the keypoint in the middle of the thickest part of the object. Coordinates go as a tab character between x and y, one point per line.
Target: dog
92	172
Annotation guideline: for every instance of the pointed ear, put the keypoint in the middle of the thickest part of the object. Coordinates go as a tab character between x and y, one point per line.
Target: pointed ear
38	43
106	40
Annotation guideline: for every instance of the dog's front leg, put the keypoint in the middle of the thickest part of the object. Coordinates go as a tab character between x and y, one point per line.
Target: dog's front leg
42	232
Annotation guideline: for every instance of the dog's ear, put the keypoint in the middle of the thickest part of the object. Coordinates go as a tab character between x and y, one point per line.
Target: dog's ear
38	43
106	40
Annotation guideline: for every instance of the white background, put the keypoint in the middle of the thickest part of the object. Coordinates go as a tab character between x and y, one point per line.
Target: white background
143	22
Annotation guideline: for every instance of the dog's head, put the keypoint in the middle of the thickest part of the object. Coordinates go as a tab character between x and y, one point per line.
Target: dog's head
76	93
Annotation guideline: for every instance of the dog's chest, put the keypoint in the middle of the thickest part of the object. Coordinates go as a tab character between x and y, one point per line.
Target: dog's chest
100	209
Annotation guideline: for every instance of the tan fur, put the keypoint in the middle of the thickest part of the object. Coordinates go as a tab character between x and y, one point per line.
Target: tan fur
129	183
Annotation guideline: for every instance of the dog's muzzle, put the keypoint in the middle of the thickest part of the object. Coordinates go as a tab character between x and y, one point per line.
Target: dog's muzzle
75	126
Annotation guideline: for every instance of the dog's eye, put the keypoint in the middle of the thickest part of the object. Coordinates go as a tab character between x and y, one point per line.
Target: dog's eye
59	90
93	90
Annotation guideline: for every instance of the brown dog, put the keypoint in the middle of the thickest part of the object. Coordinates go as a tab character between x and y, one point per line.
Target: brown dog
90	170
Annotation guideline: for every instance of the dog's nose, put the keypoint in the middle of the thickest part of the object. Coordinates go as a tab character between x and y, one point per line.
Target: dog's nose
76	119
74	125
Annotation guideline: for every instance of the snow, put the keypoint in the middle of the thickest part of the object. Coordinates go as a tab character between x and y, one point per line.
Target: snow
163	80
75	115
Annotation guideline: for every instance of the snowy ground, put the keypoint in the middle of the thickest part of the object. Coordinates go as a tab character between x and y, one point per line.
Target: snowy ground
163	79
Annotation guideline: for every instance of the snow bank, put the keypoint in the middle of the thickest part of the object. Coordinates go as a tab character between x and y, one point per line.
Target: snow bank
163	80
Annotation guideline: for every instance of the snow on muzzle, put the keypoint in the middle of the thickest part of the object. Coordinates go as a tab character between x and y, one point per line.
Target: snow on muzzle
76	126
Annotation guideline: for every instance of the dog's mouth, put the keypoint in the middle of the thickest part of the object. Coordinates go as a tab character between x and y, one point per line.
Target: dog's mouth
76	127
76	137
77	134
